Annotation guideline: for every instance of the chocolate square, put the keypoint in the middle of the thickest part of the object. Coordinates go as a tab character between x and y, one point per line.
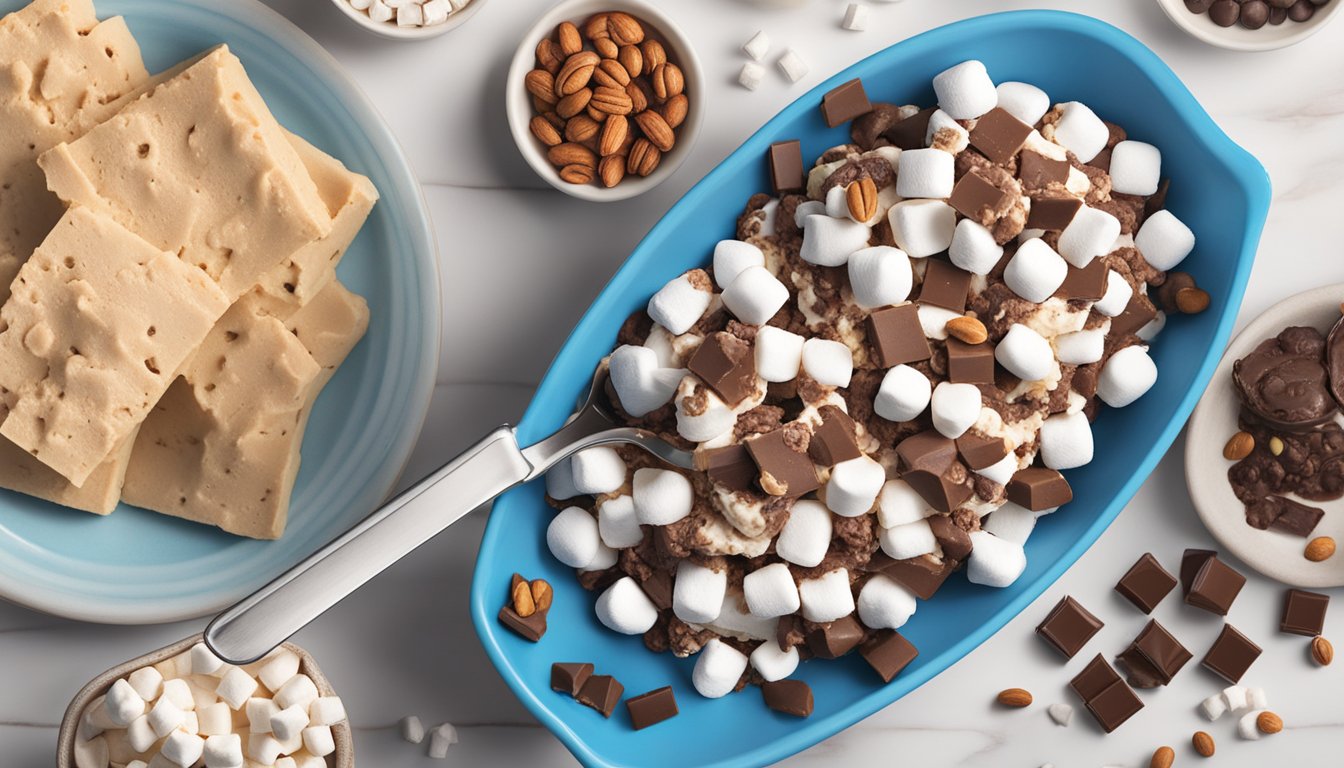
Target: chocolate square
979	451
1053	212
923	575
1095	678
929	458
970	363
1231	654
784	471
998	135
1068	627
601	692
727	365
974	195
1038	488
1087	283
1113	706
844	103
730	466
836	638
1138	313
1036	171
786	166
529	628
833	441
1304	612
652	708
1146	583
790	697
897	337
911	132
1154	657
951	538
1215	587
1191	561
945	285
888	652
569	678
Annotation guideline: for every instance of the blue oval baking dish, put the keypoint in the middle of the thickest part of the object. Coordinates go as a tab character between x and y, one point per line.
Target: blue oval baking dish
1217	188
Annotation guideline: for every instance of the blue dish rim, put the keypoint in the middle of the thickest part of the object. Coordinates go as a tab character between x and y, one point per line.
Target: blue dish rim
535	424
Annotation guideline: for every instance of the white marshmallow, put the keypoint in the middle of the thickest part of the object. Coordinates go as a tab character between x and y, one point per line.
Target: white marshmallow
606	557
925	173
1247	727
235	688
411	16
183	748
829	363
773	663
1024	101
223	750
1164	240
697	592
770	591
624	608
779	354
1036	271
751	75
1025	353
1213	707
933	320
1234	697
922	227
361	5
856	18
1011	522
854	485
1002	470
640	384
440	739
1081	131
264	749
885	604
92	753
1060	713
436	11
718	669
573	537
733	256
94	720
598	470
902	542
880	276
178	691
661	496
805	209
837	203
1118	294
755	296
757	46
965	91
560	481
165	717
973	248
412	729
122	704
380	11
1153	327
318	740
941	122
204	661
326	710
141	734
792	65
679	304
829	241
289	722
994	562
827	597
806	535
1256	698
734	620
903	394
214	719
300	690
955	407
1126	376
147	681
899	504
279	669
1080	347
617	524
1091	233
713	420
1066	441
1136	168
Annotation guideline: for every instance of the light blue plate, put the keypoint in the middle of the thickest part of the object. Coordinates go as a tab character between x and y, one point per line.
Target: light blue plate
1218	189
137	567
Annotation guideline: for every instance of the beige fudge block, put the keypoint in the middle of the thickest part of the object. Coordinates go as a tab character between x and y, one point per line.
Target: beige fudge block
198	166
98	324
20	471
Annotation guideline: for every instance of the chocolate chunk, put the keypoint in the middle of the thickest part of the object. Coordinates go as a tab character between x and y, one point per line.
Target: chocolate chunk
980	451
1036	171
791	697
1084	380
867	129
601	692
844	103
1295	518
1191	562
529	628
911	132
1113	706
835	639
1231	654
897	337
923	575
1304	612
833	441
1214	587
1068	627
1334	360
659	588
974	195
945	285
932	470
728	365
569	678
970	363
784	471
954	541
1053	212
998	135
1146	583
888	652
730	466
1156	201
1138	313
1283	380
1038	488
652	708
786	166
1154	657
1087	283
1096	677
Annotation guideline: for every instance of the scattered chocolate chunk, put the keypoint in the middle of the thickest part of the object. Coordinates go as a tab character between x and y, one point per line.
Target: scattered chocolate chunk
974	195
791	697
945	285
1284	514
1087	283
1231	654
998	135
1304	612
888	652
1138	313
1036	171
1068	627
923	575
952	538
868	128
844	103
897	337
835	639
601	692
833	441
1283	380
786	166
784	469
652	708
1191	562
933	471
1146	583
911	132
569	678
730	466
529	628
1038	488
1107	697
980	451
1096	677
658	586
1154	657
970	363
1053	212
728	365
1215	587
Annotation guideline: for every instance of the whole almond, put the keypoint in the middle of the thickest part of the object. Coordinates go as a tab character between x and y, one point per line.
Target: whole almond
613	101
544	131
1015	698
581	128
514	582
1322	652
639	98
570	153
596	114
541	84
574	103
549	56
643	159
523	604
576	72
1239	446
606	48
654	54
1192	301
1163	758
861	198
667	81
554	119
611	170
542	594
675	110
631	59
1203	744
576	174
567	36
1268	722
611	73
540	106
656	129
967	329
1319	548
613	136
596	26
624	29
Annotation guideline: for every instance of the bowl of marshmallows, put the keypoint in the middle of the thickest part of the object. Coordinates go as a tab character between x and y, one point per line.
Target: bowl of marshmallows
409	19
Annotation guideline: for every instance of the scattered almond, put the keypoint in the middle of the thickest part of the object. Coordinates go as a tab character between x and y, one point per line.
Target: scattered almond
861	197
1319	548
1268	722
1322	652
967	329
1163	758
1203	744
1015	698
1276	445
544	131
1192	301
542	594
523	604
1239	447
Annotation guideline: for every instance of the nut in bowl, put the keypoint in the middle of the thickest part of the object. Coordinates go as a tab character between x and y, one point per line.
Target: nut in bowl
409	19
604	98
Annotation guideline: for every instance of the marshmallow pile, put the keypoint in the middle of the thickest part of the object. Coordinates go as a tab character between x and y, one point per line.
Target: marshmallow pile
195	710
1248	702
410	13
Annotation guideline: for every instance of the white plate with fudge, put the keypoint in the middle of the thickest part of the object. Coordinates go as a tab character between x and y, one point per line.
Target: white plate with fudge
219	328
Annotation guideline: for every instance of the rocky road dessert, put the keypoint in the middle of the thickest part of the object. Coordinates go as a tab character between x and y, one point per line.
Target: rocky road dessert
882	377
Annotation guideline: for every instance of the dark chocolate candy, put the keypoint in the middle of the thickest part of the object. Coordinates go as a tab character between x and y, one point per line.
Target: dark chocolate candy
730	466
910	132
980	451
1146	583
1096	677
970	363
659	588
1304	612
652	708
1295	518
844	103
530	628
952	539
786	166
601	692
1231	654
1138	313
923	575
897	337
783	470
1038	488
1086	283
569	678
1154	657
727	364
1053	212
998	135
1036	171
1215	586
1107	697
835	639
933	471
888	652
791	697
974	196
945	285
1284	380
833	441
1191	562
1068	627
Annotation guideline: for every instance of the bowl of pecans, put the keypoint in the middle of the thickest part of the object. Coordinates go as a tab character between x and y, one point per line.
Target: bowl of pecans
604	98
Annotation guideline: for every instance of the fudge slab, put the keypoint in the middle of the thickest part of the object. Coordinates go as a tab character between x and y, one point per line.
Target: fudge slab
20	471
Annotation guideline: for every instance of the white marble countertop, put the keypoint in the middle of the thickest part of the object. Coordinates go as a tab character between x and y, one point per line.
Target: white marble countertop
404	644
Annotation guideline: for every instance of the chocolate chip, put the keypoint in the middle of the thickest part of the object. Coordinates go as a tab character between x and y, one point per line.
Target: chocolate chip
1036	171
1088	283
652	708
529	628
1215	587
888	652
836	638
970	363
569	678
833	441
897	337
1053	212
844	103
974	196
784	470
1224	13
910	132
945	285
1038	488
1304	612
728	365
730	466
786	166
1146	583
601	692
998	135
1231	654
791	697
1068	627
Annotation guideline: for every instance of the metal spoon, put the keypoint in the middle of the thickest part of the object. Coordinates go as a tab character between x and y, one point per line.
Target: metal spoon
266	618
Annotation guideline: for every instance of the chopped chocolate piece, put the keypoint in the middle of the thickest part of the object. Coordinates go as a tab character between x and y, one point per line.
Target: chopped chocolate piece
954	541
1138	313
868	128
791	697
833	441
786	166
1215	586
569	678
601	692
784	471
659	588
1084	381
998	135
974	195
1146	583
1154	657
730	466
1294	517
1086	283
933	471
845	102
1191	562
922	575
1038	171
1068	627
652	708
1231	654
728	365
835	639
911	132
945	285
980	451
1096	677
1053	212
529	628
1113	706
897	337
1304	612
1038	488
888	652
970	363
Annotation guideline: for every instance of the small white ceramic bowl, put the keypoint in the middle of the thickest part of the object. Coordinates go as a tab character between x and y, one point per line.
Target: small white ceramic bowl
390	30
1238	38
519	103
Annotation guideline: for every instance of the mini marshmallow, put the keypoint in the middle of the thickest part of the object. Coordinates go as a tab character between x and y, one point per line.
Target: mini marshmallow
805	209
1256	698
661	496
319	741
718	669
94	720
380	11
1011	522
617	524
828	241
965	91
1066	441
885	604
769	215
1247	728
773	663
147	681
204	661
973	248
598	470
806	535
733	256
1024	101
1118	294
770	591
436	11
837	203
829	363
751	75
411	15
178	691
92	753
779	354
1060	713
190	723
214	719
1036	271
899	504
140	734
680	303
933	320
299	690
736	621
697	592
289	722
922	227
235	688
1153	327
361	5
412	729
755	296
440	739
925	173
1080	131
1025	353
714	419
123	704
223	750
573	537
827	597
1091	233
1136	168
994	562
624	608
903	394
955	407
1000	471
1164	240
1234	696
853	486
279	669
165	717
856	18
259	712
792	65
1213	707
606	558
880	276
1126	377
902	542
183	748
560	481
640	384
1080	347
942	123
757	46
